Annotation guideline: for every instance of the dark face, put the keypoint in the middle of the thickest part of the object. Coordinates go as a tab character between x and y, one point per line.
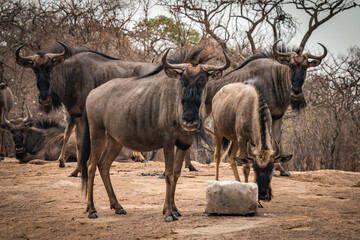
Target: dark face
18	129
263	179
193	80
298	65
3	84
42	68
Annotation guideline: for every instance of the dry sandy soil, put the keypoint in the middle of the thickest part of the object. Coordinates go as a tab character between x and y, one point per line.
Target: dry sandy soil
41	202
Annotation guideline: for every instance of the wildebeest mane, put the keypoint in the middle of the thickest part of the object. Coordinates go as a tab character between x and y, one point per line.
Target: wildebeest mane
46	123
267	54
194	56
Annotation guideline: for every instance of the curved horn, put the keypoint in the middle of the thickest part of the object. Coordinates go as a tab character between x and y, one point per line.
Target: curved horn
28	113
23	61
218	68
65	53
277	149
164	61
249	151
3	118
308	55
276	53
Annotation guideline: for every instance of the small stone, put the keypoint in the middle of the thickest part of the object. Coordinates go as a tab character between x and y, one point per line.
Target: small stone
231	197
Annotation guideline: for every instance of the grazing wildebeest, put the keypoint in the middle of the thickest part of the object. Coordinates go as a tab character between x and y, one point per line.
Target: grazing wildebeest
241	115
6	103
159	110
279	79
66	76
38	139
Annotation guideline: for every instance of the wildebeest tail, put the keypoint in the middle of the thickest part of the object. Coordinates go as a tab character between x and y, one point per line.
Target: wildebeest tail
85	152
225	143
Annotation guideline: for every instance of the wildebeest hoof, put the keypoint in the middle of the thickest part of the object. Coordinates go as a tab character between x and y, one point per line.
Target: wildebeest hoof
192	168
260	205
177	214
171	218
61	164
121	211
93	215
276	175
285	174
162	176
2	158
72	175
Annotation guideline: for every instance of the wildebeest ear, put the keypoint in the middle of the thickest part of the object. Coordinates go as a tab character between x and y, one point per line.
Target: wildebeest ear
57	60
216	74
283	158
314	63
4	126
283	60
243	160
172	73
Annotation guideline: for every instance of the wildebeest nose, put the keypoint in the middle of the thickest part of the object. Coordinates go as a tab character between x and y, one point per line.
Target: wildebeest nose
296	91
44	99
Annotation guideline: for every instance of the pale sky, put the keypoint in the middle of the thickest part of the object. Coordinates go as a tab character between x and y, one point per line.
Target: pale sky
337	34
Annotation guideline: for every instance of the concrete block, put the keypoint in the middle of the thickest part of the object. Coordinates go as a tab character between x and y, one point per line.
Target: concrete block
231	197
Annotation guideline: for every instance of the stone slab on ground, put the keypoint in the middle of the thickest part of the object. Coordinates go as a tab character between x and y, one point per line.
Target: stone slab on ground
231	197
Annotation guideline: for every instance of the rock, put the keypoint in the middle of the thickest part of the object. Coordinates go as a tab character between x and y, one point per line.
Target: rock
231	197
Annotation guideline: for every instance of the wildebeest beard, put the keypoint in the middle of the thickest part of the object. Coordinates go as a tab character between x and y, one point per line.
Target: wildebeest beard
191	100
54	104
297	100
263	180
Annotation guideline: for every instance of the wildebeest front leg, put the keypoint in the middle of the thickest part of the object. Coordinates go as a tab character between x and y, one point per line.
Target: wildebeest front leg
79	130
2	145
244	154
169	179
112	149
188	163
70	126
276	125
178	162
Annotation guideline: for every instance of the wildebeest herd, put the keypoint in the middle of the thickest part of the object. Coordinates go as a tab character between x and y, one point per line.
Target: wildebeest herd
144	106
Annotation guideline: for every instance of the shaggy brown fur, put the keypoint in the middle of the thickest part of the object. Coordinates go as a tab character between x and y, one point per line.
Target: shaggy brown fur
158	111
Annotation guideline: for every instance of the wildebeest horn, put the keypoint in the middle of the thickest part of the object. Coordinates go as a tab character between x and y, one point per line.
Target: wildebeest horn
23	61
218	68
287	54
64	53
249	150
277	149
28	114
3	118
181	66
308	55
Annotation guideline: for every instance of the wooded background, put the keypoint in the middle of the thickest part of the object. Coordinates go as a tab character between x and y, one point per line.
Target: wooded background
325	135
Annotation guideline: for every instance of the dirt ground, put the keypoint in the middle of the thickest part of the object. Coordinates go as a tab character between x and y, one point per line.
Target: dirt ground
41	202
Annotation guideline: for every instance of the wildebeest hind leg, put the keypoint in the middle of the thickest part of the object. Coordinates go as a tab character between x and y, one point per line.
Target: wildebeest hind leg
112	149
70	126
217	153
97	144
232	154
79	130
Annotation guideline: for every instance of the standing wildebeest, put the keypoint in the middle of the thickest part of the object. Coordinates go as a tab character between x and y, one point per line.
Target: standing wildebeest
152	112
278	78
6	103
67	77
241	115
38	139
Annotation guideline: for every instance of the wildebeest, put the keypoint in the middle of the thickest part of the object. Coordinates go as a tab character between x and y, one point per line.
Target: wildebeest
66	76
279	79
241	115
159	110
6	104
38	139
